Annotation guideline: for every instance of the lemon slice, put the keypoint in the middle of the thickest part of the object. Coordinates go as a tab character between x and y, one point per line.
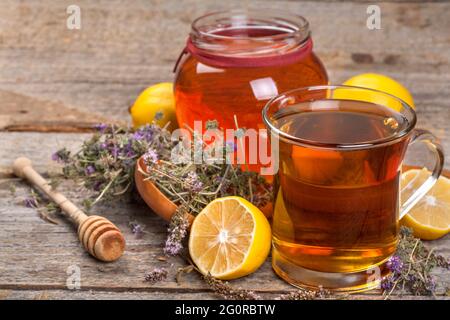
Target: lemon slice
430	218
230	238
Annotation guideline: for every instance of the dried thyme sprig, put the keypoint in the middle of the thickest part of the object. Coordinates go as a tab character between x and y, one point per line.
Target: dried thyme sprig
178	229
203	171
137	229
105	163
411	267
156	275
192	182
303	294
223	289
45	208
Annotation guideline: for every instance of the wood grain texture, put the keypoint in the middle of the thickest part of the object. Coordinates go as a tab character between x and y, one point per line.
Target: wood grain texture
22	113
35	255
66	80
124	46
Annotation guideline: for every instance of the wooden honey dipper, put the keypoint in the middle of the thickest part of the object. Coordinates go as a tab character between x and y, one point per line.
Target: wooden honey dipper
101	238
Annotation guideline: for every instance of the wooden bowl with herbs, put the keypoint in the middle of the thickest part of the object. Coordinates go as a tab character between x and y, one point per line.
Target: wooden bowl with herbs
152	196
163	206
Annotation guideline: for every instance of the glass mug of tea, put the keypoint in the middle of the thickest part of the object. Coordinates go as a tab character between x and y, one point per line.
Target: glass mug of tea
337	207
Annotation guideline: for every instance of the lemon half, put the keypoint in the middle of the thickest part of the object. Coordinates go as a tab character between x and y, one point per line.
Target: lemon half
230	238
430	217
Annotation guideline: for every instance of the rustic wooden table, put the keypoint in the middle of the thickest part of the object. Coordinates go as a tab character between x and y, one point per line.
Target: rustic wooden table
55	83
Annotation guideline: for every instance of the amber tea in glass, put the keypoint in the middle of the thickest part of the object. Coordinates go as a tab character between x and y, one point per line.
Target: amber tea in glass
337	207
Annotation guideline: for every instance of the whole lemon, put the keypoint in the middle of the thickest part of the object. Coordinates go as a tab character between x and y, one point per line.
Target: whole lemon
155	104
378	82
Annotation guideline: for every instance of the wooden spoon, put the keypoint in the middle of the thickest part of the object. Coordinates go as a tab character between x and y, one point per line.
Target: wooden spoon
100	237
159	203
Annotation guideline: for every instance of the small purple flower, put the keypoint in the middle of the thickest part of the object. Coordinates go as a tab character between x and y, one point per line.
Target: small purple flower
178	230
144	133
387	284
55	157
431	284
158	274
128	149
101	127
395	264
193	182
136	229
30	203
90	169
150	157
172	248
97	185
61	156
114	151
103	146
138	135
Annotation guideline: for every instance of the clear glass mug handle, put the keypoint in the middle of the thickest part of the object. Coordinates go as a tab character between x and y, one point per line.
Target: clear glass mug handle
432	143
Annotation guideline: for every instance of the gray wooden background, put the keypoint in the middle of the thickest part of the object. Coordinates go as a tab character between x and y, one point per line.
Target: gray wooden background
55	83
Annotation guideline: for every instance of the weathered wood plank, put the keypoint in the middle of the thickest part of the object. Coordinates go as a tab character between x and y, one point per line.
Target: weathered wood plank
21	113
125	46
51	294
35	255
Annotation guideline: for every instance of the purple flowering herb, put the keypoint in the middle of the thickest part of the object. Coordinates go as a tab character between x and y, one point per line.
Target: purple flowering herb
138	135
97	185
156	275
193	182
128	149
90	169
30	202
395	264
144	133
114	151
101	127
136	229
227	292
150	157
387	284
431	284
103	146
55	157
172	247
61	156
178	230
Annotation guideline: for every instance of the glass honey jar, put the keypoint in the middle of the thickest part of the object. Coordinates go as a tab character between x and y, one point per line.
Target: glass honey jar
235	61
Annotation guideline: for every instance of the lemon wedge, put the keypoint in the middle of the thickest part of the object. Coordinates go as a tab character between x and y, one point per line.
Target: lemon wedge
430	217
230	238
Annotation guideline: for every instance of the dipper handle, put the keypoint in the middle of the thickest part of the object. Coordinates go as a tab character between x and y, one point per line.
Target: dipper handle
100	237
23	168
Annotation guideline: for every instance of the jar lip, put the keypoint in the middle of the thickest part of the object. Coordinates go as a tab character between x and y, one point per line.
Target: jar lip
294	25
